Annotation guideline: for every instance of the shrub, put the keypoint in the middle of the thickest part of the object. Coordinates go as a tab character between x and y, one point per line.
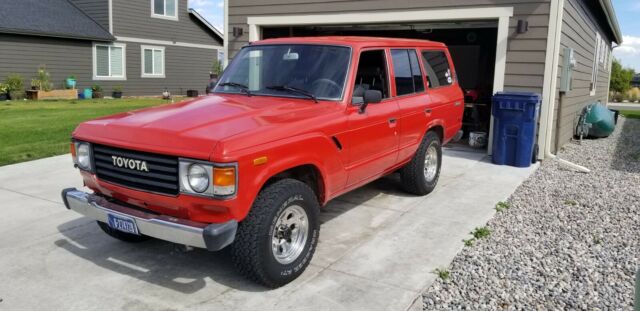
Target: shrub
14	83
618	98
3	88
96	88
117	88
43	80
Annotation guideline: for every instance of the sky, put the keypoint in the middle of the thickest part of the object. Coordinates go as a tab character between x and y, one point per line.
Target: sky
212	10
628	12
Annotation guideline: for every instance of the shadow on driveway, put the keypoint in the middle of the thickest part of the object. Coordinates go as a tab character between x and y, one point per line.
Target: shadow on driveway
169	265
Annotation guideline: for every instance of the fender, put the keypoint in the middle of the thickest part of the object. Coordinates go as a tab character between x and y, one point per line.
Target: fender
314	149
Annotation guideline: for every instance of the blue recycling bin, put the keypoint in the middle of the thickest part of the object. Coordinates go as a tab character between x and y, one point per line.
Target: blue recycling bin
514	128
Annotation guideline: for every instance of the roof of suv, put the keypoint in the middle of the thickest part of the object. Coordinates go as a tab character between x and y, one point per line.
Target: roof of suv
353	41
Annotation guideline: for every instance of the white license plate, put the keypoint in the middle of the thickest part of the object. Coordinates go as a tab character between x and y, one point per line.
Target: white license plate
123	223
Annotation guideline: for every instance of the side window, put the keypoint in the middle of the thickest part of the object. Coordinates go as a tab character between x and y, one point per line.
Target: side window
406	69
437	67
371	74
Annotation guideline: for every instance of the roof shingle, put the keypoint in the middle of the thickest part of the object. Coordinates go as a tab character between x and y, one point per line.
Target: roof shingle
51	18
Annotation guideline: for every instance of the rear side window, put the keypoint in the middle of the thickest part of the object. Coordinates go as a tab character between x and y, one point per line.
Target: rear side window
436	64
406	70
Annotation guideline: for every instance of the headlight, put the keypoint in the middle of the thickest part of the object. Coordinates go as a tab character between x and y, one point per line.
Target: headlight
83	156
198	178
208	179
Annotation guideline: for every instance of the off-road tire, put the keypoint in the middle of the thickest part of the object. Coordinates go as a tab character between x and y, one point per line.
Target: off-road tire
252	249
412	174
122	236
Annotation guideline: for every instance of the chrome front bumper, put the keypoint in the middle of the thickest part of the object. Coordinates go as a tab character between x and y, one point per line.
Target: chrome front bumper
210	236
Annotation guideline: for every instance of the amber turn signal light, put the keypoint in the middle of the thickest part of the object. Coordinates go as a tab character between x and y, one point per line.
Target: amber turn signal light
224	176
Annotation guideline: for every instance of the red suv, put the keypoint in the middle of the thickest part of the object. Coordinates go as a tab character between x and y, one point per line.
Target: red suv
292	124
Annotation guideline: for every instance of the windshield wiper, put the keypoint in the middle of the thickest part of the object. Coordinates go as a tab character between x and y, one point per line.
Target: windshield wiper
242	87
292	89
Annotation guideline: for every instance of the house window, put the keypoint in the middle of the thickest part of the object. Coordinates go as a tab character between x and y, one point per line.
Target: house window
596	64
152	62
109	61
164	9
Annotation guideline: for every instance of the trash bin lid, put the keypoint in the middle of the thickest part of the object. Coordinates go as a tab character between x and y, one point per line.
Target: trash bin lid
528	96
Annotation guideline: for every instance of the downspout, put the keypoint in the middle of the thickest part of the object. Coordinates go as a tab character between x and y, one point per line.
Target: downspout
555	34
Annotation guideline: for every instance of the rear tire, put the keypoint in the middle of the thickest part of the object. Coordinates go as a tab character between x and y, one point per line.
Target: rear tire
122	236
420	176
276	241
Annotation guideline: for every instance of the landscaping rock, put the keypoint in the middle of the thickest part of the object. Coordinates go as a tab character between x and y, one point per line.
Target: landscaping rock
570	240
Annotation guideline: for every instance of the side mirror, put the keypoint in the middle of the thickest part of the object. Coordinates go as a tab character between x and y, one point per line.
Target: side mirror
370	97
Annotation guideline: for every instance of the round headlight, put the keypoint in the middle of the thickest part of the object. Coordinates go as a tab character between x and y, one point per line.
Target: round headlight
83	156
198	178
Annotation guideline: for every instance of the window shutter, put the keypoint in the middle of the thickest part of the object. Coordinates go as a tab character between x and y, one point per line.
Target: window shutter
116	61
102	61
171	8
158	7
158	62
148	61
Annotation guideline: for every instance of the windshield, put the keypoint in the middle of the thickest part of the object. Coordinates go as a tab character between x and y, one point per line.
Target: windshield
288	70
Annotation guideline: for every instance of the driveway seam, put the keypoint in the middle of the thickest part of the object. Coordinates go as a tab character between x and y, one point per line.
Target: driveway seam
29	195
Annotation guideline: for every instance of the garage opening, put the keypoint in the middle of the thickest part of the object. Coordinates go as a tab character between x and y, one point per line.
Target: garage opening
473	49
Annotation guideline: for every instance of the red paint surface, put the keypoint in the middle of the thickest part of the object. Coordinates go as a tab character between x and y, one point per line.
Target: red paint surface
290	132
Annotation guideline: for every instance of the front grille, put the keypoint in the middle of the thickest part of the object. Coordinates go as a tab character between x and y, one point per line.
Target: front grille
162	176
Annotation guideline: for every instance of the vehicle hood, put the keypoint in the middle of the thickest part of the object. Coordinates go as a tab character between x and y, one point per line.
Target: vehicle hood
193	128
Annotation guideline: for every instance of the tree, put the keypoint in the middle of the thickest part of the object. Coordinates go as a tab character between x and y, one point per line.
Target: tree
620	77
216	68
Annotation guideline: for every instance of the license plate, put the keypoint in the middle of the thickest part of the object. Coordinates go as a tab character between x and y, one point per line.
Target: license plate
123	223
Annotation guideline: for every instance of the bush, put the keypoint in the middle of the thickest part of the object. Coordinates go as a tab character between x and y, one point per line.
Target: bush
14	83
633	94
43	81
96	88
618	98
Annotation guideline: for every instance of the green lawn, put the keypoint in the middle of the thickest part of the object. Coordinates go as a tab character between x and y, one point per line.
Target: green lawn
36	129
631	114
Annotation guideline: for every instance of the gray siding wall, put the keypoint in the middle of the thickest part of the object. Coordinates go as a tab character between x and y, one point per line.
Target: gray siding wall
97	9
186	68
133	19
578	32
24	54
526	52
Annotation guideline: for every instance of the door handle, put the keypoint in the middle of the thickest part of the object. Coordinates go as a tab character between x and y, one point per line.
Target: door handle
428	111
392	122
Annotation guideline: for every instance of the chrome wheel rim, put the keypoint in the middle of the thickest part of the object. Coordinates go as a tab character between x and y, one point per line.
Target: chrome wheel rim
431	163
290	234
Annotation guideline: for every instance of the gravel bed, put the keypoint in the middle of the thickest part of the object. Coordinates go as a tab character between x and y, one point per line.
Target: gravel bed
568	241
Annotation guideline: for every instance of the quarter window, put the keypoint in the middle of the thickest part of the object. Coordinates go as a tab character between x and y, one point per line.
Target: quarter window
152	62
407	72
109	62
436	64
164	9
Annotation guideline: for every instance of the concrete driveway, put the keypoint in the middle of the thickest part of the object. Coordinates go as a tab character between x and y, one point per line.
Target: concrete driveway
377	251
624	106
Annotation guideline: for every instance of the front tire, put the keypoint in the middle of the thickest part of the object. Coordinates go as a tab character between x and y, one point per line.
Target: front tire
420	176
275	242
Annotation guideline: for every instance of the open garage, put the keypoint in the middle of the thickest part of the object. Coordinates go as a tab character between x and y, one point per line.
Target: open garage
472	45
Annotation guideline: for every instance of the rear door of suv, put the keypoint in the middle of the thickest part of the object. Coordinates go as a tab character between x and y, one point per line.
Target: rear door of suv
413	100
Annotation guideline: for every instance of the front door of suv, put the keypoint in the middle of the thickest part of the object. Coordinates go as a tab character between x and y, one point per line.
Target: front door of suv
373	134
